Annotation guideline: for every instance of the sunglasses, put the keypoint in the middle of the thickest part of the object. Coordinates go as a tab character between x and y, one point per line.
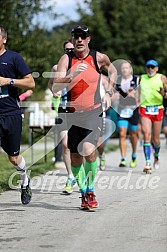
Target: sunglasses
80	35
69	49
151	66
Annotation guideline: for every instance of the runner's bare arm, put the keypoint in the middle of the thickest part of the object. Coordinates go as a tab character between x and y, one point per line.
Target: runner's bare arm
164	80
63	77
25	82
52	76
105	64
164	93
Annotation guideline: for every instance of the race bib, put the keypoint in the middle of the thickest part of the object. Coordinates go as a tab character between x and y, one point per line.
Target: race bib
126	113
152	110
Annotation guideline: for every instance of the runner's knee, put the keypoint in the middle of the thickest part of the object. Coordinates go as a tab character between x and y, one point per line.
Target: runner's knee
18	162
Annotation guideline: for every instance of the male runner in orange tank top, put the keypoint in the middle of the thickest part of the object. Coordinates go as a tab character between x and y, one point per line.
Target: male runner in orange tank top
79	72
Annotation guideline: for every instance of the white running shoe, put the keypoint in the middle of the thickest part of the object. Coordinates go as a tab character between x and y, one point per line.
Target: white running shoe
156	164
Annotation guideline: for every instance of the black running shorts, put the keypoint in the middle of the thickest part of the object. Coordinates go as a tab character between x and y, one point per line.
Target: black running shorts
85	126
10	134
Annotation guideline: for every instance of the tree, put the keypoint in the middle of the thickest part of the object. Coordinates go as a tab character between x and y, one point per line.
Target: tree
134	30
17	17
39	47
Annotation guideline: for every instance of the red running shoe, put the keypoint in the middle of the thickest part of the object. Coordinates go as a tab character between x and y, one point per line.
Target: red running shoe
91	200
84	202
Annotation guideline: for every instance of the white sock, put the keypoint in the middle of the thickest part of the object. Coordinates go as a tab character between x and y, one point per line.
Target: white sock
70	176
21	167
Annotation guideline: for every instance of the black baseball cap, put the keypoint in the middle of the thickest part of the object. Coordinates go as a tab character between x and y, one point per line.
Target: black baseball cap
80	28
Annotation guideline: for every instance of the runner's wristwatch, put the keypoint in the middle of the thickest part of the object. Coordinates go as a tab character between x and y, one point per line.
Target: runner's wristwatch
11	82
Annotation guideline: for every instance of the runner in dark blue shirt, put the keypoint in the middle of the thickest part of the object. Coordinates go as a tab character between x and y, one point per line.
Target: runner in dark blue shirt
14	73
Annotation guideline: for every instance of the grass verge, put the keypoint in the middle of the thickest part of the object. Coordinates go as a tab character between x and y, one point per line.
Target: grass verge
6	169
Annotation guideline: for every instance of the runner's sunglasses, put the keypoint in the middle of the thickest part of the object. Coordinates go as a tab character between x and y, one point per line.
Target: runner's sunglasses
69	49
80	35
151	66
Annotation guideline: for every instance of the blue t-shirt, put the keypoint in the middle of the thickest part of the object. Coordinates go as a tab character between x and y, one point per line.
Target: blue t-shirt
12	65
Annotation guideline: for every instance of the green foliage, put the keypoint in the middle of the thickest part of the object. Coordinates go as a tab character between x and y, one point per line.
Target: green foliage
134	30
17	16
40	48
7	170
37	169
44	52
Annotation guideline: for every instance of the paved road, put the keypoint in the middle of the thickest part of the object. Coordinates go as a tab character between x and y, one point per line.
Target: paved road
132	215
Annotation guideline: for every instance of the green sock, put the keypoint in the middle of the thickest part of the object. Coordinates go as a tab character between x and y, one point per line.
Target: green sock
157	149
79	174
90	171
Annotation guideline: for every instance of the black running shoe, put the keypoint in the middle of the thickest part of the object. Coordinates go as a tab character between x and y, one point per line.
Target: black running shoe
123	163
26	194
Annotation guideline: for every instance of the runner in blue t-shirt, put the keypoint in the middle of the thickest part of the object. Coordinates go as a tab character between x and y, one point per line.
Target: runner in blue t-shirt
14	73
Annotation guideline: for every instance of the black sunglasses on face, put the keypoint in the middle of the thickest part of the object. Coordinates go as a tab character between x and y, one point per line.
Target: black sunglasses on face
80	35
151	66
68	49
